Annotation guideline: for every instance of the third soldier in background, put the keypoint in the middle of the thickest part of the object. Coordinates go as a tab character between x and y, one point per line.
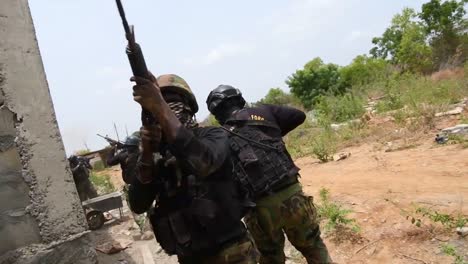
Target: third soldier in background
127	156
269	175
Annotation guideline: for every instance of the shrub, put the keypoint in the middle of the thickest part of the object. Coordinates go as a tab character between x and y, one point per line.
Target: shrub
324	145
340	108
98	165
334	214
102	182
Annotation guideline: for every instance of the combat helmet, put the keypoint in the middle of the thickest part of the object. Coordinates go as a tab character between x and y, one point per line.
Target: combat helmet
132	141
221	94
175	83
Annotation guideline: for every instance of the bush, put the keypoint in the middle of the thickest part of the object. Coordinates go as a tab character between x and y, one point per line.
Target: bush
276	96
324	145
210	120
417	92
363	71
340	108
314	80
98	165
102	183
299	141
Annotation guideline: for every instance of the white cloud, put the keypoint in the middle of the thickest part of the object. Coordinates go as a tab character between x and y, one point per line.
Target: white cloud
220	53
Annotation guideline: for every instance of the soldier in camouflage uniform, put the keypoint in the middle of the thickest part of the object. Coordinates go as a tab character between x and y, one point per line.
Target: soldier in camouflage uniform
198	211
269	175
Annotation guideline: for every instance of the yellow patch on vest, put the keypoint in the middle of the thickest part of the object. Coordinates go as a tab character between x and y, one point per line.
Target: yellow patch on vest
256	117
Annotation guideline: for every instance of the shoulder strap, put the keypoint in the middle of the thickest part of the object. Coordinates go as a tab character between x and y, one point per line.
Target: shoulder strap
248	139
240	122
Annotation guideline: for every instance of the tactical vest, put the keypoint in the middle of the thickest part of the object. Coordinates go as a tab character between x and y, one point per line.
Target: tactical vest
194	216
263	165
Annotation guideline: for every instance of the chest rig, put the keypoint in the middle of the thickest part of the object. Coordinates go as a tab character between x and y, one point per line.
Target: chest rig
263	162
188	218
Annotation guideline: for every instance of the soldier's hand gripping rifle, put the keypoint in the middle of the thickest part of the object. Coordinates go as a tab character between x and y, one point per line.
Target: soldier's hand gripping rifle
136	59
113	142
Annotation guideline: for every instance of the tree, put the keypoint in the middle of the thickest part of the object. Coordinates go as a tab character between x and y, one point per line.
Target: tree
405	43
387	46
364	70
210	120
314	80
414	54
277	96
446	25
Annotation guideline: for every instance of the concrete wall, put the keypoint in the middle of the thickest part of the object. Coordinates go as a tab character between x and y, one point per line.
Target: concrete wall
41	218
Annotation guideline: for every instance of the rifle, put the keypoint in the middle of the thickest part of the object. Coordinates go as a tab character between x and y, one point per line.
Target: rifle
113	142
136	59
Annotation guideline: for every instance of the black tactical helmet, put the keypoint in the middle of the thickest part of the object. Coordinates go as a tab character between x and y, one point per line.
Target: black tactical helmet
73	159
221	94
132	140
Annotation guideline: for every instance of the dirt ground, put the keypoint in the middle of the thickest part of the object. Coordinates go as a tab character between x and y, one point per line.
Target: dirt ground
381	187
383	182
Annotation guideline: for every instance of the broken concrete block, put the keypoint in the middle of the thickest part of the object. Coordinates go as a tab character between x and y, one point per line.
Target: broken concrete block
456	111
341	156
461	129
462	231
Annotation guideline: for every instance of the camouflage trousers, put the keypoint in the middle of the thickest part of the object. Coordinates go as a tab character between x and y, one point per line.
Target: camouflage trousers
291	212
241	252
141	220
86	190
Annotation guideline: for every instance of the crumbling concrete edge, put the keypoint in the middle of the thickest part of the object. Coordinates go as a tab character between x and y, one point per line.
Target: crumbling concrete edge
3	97
82	252
50	250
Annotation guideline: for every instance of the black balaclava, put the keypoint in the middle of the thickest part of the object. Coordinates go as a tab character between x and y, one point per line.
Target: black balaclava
226	109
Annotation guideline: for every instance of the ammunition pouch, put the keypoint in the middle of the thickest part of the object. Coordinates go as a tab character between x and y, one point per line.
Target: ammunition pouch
172	232
189	230
263	165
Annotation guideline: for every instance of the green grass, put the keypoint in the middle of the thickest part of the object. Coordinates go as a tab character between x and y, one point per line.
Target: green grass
102	183
324	145
98	165
448	221
450	250
339	109
414	101
334	214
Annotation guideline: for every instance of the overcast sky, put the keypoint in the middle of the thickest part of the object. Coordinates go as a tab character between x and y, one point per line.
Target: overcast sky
253	45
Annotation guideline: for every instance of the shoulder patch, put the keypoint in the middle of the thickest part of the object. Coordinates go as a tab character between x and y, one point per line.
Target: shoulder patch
257	117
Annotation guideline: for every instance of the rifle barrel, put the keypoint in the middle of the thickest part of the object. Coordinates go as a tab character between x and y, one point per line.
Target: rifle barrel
122	15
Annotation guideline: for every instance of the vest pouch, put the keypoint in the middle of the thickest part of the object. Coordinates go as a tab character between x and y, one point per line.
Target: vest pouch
204	211
163	233
180	228
248	157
